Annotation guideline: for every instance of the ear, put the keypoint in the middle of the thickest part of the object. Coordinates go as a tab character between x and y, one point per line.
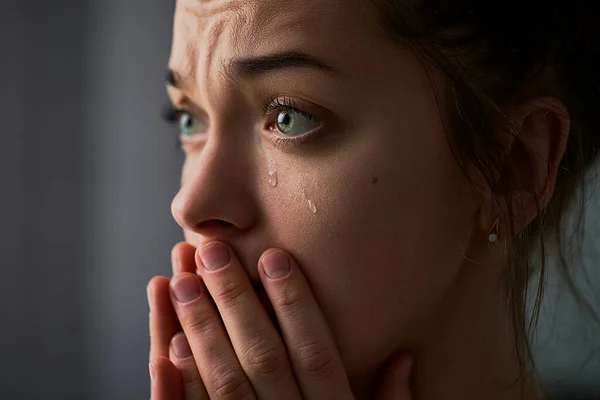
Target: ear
534	156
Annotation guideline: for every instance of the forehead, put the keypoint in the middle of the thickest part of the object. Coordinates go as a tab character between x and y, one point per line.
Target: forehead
208	31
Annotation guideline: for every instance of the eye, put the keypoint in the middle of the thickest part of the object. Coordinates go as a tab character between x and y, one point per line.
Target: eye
291	122
189	125
186	122
295	126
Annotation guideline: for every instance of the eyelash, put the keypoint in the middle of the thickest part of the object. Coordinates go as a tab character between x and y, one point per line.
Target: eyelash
276	104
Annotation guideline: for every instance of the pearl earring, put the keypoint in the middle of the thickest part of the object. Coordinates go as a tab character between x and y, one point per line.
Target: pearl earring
493	236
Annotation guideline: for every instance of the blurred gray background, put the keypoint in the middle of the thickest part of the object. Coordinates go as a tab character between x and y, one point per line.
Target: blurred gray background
87	172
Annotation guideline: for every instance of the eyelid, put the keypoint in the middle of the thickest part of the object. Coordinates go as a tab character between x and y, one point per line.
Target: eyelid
286	143
184	103
289	102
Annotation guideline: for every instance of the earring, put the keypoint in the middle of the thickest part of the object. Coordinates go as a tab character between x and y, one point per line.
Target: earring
493	235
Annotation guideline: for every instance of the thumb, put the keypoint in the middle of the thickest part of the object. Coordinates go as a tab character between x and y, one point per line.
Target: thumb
395	383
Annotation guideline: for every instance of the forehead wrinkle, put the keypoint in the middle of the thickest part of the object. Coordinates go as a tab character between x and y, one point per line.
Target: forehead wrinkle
240	37
246	28
244	16
264	23
214	34
251	31
232	28
184	52
188	68
206	8
194	56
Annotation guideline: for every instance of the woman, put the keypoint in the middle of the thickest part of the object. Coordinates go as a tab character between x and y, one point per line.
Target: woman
396	160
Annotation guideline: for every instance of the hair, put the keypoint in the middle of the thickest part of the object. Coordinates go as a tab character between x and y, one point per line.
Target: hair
495	54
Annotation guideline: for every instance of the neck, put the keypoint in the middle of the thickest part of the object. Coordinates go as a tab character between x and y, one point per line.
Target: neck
472	352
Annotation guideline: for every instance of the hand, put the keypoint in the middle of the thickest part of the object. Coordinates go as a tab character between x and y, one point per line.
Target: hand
243	355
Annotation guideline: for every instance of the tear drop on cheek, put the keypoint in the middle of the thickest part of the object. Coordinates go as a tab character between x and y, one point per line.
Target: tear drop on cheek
312	206
273	179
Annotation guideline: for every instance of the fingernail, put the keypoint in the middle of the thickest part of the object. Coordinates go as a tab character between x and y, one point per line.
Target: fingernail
185	288
276	265
152	372
215	256
181	347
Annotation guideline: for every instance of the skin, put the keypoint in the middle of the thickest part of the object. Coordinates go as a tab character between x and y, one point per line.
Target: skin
396	256
249	361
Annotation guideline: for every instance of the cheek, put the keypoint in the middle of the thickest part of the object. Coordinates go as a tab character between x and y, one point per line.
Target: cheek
385	243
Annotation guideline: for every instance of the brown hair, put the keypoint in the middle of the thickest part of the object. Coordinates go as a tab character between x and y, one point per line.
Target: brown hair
494	53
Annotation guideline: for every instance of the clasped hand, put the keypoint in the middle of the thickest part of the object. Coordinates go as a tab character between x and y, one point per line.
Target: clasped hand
212	338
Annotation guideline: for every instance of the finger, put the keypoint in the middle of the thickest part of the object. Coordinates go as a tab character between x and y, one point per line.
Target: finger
182	357
217	363
255	340
163	319
182	258
164	323
314	355
166	380
395	383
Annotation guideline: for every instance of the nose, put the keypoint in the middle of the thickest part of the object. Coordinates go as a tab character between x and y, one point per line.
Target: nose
215	199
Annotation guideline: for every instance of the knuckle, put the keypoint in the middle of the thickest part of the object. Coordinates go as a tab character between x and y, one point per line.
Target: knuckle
265	358
290	298
199	323
230	293
230	385
316	359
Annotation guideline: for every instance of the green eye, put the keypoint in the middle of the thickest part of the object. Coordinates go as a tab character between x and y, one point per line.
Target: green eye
292	122
190	125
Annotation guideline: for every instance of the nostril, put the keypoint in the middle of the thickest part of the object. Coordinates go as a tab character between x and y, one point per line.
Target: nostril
219	223
213	227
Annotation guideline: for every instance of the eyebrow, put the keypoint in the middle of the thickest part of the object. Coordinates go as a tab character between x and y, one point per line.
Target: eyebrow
253	67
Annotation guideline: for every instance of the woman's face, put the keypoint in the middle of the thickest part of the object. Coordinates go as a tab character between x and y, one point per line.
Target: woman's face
359	184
